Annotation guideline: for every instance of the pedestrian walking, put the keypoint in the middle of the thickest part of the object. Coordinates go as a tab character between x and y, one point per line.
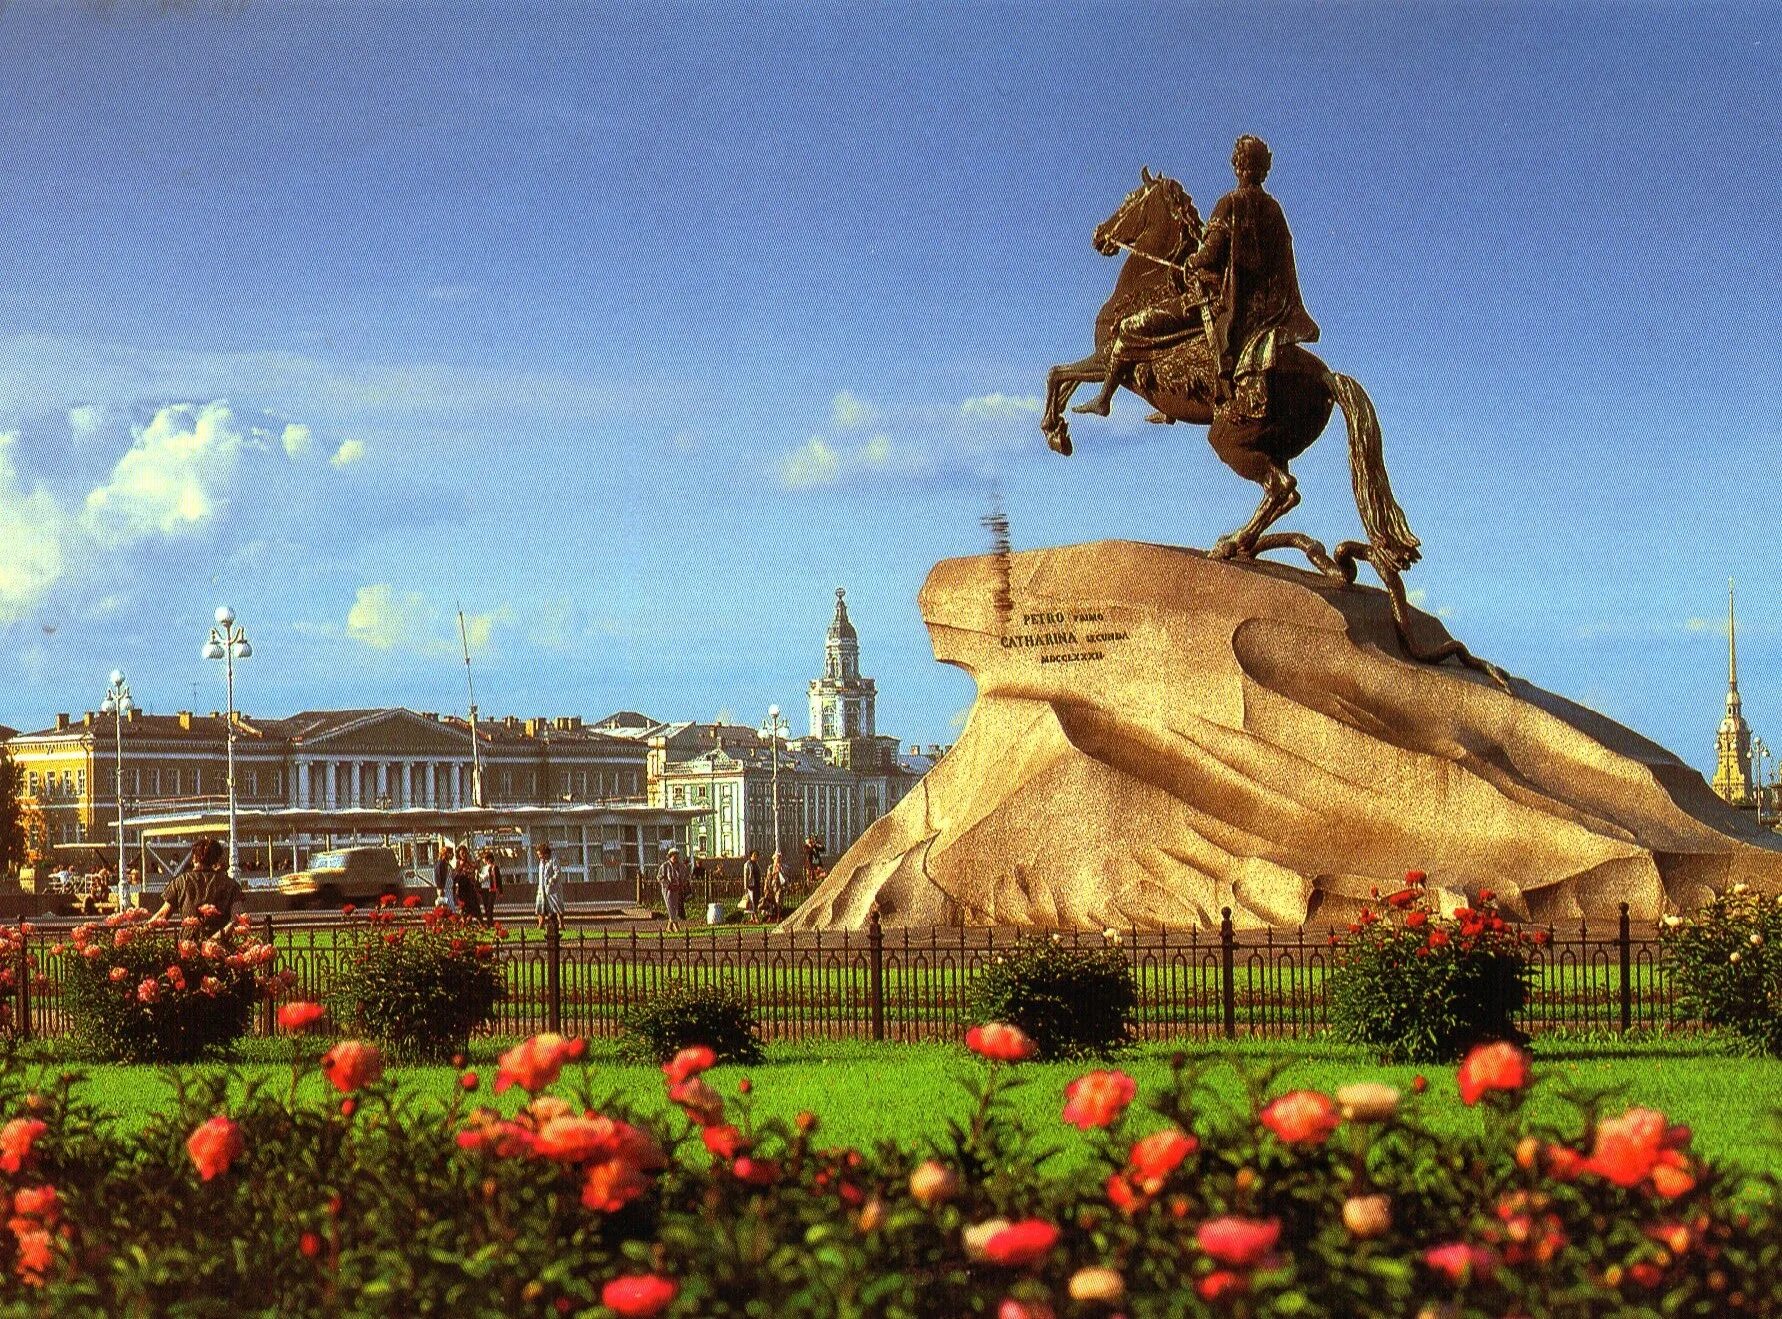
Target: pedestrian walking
776	884
672	878
488	877
752	885
464	885
443	873
549	900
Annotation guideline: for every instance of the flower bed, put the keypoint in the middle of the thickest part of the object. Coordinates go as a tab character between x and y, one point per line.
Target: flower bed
534	1194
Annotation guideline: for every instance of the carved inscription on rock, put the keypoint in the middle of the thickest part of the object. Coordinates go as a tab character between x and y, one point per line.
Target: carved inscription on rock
1065	635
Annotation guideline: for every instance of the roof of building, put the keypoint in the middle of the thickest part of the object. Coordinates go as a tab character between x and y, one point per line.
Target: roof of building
623	720
311	726
840	627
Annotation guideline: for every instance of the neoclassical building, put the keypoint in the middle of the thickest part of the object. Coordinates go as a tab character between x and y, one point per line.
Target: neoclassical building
392	757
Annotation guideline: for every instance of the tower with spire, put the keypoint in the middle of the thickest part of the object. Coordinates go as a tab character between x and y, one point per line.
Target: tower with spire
1732	761
841	701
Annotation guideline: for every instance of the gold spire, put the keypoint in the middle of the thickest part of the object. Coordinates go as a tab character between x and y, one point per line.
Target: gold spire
1732	642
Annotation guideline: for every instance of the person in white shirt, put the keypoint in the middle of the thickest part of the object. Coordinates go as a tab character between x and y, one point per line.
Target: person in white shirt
549	901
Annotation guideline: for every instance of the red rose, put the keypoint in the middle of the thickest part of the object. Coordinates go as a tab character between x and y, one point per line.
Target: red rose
1161	1153
639	1294
611	1184
1022	1243
1416	920
725	1142
1416	876
412	900
1097	1099
37	1202
1241	1243
536	1063
1460	1261
1499	1066
756	1172
1438	938
689	1062
215	1145
1000	1042
1219	1284
16	1139
300	1016
1402	899
352	1065
1302	1117
698	1101
310	1244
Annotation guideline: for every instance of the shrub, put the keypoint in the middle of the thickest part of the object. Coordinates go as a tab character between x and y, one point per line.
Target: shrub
246	1199
684	1015
1422	987
1726	963
1072	1002
141	992
421	988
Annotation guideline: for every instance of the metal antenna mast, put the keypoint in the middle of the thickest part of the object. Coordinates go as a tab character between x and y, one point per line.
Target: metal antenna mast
476	752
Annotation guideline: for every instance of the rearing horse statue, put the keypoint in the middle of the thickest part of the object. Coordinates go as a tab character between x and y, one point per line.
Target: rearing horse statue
1158	226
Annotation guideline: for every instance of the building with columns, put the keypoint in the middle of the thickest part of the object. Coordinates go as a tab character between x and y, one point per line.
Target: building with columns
325	759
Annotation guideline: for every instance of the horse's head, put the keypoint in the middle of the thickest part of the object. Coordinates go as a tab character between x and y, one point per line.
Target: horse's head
1157	218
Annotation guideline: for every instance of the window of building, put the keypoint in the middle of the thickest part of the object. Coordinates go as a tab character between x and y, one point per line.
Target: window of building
154	781
175	788
80	781
31	782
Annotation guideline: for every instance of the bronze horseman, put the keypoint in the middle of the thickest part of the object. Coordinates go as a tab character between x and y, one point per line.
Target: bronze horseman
1206	325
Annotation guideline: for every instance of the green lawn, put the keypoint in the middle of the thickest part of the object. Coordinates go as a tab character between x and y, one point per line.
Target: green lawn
865	1092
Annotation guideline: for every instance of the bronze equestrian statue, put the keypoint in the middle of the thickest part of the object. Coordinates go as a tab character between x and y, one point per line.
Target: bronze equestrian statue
1206	325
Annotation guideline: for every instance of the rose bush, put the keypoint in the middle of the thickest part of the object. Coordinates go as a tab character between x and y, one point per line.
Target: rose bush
553	1200
1726	962
419	988
1072	1002
137	990
1423	987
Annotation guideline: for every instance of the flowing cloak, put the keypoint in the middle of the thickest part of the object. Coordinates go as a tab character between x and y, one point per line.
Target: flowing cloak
1247	242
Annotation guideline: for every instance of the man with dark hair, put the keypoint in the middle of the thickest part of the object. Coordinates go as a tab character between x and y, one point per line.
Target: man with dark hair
1245	278
203	889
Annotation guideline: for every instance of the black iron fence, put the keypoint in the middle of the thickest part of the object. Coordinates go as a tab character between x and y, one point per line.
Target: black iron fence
909	985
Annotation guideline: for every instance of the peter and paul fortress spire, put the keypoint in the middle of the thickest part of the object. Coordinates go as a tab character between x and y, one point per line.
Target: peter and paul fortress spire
1732	762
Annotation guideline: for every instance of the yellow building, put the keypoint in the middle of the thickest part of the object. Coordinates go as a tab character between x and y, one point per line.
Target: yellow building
1732	746
328	759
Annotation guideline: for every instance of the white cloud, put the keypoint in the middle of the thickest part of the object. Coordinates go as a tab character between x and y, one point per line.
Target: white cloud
384	618
172	479
1000	406
849	411
814	464
297	440
86	421
31	538
349	452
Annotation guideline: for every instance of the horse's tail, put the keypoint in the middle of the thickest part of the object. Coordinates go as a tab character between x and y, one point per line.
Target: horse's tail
1394	546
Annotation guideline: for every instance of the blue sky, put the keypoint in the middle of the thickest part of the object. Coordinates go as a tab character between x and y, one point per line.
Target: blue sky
639	329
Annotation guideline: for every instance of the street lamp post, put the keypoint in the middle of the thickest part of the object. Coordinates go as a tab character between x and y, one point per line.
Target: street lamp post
776	727
1759	754
228	643
119	705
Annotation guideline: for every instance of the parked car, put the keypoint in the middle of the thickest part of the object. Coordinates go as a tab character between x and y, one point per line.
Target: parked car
349	874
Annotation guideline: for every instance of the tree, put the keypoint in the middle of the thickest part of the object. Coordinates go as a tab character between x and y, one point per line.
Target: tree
13	834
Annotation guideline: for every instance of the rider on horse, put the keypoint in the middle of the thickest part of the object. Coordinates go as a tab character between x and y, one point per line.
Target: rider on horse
1245	296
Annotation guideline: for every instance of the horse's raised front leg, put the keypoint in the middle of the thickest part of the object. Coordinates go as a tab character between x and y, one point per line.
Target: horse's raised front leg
1280	496
1061	383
